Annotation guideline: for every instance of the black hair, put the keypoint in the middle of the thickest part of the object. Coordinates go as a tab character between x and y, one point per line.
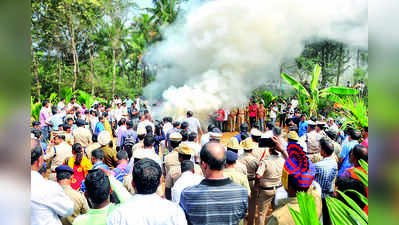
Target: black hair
312	127
277	131
244	136
146	176
190	113
73	98
61	136
348	183
293	128
165	119
35	154
186	165
170	119
354	134
366	129
209	159
255	138
105	114
313	118
68	119
122	154
86	111
141	136
35	123
360	152
174	144
269	125
94	138
256	126
62	99
100	118
42	170
327	146
148	129
192	136
293	182
66	127
331	135
243	127
98	187
77	114
149	140
210	127
98	154
129	124
184	156
45	102
146	112
184	125
36	132
176	124
62	175
54	109
184	135
158	130
233	150
77	149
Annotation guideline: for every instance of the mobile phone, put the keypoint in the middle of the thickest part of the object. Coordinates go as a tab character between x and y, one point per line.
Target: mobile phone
266	143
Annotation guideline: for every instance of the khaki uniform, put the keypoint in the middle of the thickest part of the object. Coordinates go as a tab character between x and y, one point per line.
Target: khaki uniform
56	156
252	165
313	142
171	160
271	170
241	168
233	119
237	178
175	173
259	152
138	145
82	136
337	151
90	148
80	205
69	139
241	116
282	215
109	157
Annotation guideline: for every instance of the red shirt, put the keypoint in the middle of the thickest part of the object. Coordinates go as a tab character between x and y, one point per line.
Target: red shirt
252	110
220	115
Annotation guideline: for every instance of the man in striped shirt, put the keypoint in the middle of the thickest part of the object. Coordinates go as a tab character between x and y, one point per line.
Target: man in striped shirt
216	200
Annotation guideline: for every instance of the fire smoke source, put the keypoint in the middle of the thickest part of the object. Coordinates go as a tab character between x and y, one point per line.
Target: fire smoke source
219	51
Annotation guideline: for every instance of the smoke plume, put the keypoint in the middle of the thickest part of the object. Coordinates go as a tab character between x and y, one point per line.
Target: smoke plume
217	52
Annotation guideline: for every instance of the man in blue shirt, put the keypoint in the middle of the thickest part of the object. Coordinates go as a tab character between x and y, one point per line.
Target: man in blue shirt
303	126
243	130
129	103
99	125
344	162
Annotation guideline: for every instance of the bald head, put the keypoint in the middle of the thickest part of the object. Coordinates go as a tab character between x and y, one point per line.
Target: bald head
213	155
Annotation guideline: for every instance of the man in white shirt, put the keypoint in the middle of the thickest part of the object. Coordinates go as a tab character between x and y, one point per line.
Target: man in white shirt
148	150
187	179
61	105
294	102
141	207
167	124
193	143
117	112
193	123
48	200
273	112
146	122
205	137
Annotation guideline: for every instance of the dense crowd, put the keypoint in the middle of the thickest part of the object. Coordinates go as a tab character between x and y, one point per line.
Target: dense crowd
113	164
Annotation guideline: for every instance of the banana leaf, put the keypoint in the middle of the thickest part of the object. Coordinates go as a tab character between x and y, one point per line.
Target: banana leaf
359	211
308	212
295	84
360	196
343	214
53	98
35	108
340	91
315	77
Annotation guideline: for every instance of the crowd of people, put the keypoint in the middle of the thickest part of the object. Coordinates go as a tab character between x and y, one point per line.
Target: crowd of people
113	164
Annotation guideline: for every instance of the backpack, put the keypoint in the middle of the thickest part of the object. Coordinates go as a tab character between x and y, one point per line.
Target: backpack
129	140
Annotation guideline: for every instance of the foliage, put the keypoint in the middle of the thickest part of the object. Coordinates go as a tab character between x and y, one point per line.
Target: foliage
86	98
313	96
267	96
308	213
53	98
35	108
66	93
355	112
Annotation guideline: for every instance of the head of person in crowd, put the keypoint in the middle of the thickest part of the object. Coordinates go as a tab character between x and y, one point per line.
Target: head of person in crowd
45	104
146	176
332	134
358	152
231	159
184	135
354	134
158	129
101	119
176	125
73	100
36	124
54	109
248	145
78	153
64	175
348	183
94	138
313	118
148	129
105	115
326	147
184	125
365	132
165	120
149	141
211	127
37	134
69	121
108	108
104	137
187	165
59	138
244	128
212	160
80	123
60	127
269	125
62	100
320	126
311	126
185	152
292	137
78	115
43	171
98	189
97	155
36	157
244	136
255	134
175	139
142	117
215	135
233	145
277	131
141	133
129	124
189	114
293	128
192	137
67	128
303	118
330	121
122	157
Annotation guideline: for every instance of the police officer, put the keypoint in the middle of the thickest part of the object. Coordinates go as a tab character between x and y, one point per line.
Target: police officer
172	158
232	145
312	140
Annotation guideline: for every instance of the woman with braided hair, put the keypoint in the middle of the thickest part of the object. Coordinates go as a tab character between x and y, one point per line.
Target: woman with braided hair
80	165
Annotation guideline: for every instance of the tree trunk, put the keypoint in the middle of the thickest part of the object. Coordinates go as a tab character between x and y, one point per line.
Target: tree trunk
59	76
35	71
113	72
341	51
92	72
74	52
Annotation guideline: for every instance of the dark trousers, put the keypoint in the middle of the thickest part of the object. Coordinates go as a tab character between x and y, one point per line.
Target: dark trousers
326	215
219	124
252	121
282	120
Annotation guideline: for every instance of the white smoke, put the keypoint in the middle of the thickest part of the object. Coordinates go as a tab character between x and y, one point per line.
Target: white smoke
219	51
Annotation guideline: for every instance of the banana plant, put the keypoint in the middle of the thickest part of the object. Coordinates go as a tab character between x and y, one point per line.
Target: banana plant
66	93
354	111
332	93
35	108
86	98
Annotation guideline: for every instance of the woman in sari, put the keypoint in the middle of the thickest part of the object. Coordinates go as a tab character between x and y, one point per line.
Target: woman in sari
80	165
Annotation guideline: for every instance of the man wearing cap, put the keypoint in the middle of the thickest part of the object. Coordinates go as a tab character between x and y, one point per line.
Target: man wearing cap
81	134
172	158
233	174
64	174
141	132
184	153
320	126
332	136
312	139
232	145
104	137
252	163
57	151
243	130
259	153
296	177
215	135
176	128
268	179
